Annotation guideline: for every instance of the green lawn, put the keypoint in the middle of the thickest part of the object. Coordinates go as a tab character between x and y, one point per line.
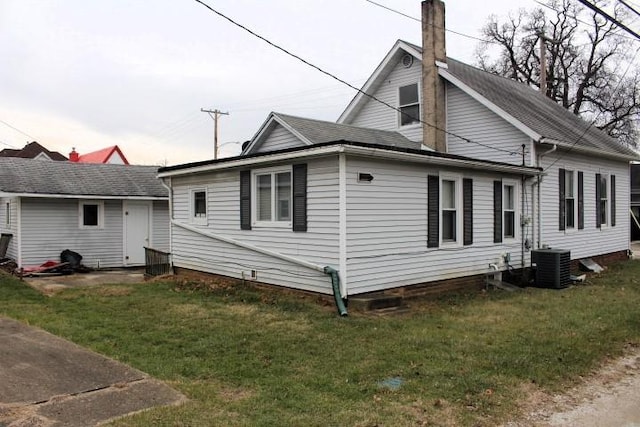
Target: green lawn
245	357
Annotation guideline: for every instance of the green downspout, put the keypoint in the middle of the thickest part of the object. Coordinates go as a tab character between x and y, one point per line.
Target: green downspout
335	283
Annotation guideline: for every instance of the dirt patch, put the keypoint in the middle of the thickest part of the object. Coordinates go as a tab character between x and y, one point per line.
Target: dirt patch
606	397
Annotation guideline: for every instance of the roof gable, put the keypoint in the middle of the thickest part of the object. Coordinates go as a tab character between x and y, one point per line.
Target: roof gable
34	177
31	151
106	155
313	132
399	49
538	117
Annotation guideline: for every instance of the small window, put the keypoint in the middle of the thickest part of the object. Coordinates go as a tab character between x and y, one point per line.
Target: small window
91	214
409	105
509	211
273	196
199	206
7	214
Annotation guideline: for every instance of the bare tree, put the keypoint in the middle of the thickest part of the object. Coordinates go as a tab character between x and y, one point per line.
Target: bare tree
589	62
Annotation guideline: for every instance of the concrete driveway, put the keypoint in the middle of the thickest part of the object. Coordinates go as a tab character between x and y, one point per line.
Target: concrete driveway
48	381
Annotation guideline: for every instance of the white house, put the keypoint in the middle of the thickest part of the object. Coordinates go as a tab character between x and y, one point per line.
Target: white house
107	213
435	171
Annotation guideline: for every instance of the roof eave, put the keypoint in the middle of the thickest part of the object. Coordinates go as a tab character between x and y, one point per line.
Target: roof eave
80	196
591	151
364	150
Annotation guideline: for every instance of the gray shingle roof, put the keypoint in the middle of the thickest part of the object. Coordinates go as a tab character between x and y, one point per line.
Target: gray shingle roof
30	176
319	131
535	111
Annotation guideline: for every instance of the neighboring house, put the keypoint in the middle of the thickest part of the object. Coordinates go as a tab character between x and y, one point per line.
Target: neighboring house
460	173
107	213
111	155
33	150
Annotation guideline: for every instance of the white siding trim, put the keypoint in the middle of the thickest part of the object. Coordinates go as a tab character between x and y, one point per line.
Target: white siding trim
251	247
19	236
342	206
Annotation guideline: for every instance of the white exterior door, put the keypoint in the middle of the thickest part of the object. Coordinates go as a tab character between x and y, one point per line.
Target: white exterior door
137	231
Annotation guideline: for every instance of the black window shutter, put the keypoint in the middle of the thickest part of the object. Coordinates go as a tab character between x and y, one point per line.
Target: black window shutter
245	200
598	224
580	200
300	197
467	208
613	200
433	211
497	211
562	206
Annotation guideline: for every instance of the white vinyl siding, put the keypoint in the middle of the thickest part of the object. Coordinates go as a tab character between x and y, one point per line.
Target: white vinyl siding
468	118
279	139
378	116
591	240
160	226
387	229
50	226
319	244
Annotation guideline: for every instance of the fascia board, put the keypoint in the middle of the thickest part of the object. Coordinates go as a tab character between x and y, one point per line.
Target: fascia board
355	150
80	196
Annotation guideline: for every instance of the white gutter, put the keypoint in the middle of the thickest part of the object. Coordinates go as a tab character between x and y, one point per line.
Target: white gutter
170	191
251	247
539	181
79	196
587	150
351	149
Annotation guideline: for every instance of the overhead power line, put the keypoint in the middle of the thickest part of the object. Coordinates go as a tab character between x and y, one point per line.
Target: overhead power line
360	91
16	129
419	20
610	18
629	7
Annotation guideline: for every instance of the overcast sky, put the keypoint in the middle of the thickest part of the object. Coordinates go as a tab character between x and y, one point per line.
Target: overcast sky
90	74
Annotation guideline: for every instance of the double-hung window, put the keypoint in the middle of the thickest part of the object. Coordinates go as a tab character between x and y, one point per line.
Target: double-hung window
409	104
569	199
450	209
509	210
604	199
273	196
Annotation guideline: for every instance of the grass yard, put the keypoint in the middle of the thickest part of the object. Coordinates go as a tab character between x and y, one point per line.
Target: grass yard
245	357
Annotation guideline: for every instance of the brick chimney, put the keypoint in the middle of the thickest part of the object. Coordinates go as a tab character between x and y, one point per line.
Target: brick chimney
433	88
74	156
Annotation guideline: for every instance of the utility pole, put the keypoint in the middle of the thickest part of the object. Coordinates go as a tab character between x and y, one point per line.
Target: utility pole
215	114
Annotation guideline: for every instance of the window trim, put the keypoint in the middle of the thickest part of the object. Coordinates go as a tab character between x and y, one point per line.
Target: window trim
516	200
81	205
201	220
457	179
254	197
400	106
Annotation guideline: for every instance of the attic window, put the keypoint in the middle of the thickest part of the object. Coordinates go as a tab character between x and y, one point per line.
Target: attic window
409	104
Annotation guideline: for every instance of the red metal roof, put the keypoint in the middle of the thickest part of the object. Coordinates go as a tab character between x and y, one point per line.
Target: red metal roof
102	156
